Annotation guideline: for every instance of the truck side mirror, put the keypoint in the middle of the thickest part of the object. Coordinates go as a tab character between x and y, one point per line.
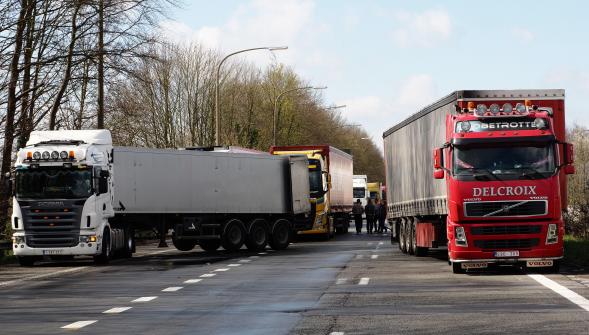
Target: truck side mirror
439	174
103	184
569	169
104	174
569	153
438	154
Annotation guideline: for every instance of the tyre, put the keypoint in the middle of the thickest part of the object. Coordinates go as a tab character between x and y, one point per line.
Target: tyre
209	245
280	236
402	240
457	268
105	255
411	238
233	236
257	237
129	247
331	229
183	245
26	260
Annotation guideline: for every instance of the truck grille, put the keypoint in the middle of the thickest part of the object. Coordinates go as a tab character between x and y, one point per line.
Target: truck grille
505	208
52	224
505	230
507	244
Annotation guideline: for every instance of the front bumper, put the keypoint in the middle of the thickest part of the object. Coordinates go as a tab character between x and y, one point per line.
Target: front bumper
82	249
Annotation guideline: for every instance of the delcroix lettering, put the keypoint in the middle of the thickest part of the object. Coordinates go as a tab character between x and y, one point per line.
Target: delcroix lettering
503	191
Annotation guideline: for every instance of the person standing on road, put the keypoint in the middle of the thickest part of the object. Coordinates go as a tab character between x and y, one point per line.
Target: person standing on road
370	211
382	216
357	211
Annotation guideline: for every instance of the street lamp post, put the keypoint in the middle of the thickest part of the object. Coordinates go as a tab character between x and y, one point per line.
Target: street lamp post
217	123
276	105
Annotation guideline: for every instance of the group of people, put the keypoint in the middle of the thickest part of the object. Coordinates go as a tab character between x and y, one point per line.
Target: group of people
376	215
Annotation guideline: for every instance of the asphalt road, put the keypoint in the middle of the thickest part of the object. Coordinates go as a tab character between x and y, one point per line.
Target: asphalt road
356	284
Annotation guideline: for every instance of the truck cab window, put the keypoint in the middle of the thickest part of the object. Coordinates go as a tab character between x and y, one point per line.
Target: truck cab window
53	183
315	178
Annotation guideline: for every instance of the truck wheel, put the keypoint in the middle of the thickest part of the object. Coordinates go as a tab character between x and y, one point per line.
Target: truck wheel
257	238
402	240
457	268
234	236
129	247
411	238
209	245
105	254
280	236
26	260
183	245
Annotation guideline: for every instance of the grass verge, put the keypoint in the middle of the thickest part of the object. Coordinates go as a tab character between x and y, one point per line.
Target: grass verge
576	251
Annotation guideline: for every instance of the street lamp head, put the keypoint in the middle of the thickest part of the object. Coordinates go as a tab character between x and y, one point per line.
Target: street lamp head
277	48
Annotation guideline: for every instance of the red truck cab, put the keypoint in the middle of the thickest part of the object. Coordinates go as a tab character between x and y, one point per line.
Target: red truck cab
505	166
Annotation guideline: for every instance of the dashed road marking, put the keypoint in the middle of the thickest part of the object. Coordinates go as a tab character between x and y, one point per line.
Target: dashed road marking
207	275
262	253
221	270
244	261
192	281
374	256
234	265
370	243
144	299
116	310
254	256
172	289
364	281
336	333
380	243
341	281
573	297
359	256
79	324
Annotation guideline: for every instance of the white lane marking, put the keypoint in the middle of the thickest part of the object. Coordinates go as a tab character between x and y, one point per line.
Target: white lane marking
370	243
341	281
45	275
234	265
192	281
359	256
144	299
262	253
380	243
336	333
364	281
254	256
172	289
116	310
79	324
270	250
374	256
244	261
573	297
207	275
221	270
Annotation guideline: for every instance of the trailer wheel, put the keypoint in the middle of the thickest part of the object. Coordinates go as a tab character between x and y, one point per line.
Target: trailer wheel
129	247
183	245
257	238
412	238
105	254
402	240
26	260
209	245
280	236
457	268
234	235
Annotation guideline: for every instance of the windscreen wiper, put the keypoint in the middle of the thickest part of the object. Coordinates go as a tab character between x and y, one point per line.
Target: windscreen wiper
487	172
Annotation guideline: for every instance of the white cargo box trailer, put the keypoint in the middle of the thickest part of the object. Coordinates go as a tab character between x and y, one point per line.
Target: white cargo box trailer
212	198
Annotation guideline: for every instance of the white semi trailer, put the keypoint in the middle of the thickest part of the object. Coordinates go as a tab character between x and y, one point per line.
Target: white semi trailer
76	194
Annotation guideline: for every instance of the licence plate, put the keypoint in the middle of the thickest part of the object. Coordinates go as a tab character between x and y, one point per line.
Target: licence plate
481	265
539	264
514	253
52	252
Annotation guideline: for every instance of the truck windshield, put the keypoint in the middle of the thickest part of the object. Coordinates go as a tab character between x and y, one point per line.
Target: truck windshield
53	183
504	162
315	177
359	192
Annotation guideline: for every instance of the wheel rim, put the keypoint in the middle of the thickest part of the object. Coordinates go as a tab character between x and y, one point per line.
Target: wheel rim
234	235
129	243
281	233
259	235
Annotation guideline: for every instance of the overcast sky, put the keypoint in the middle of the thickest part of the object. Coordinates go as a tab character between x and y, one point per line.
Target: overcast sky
387	59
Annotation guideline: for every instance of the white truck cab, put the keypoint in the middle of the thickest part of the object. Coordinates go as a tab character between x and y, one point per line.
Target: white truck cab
63	196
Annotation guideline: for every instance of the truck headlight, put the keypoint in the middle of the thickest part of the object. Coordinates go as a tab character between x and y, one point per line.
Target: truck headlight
552	235
89	238
460	237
